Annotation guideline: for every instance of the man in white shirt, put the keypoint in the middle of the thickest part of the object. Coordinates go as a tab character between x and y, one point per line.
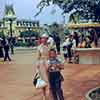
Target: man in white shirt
74	44
50	42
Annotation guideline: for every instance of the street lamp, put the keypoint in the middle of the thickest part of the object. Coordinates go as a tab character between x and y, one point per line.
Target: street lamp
11	22
11	36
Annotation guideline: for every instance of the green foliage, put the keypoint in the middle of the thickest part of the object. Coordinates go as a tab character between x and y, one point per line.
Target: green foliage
55	27
88	9
74	17
26	44
28	34
66	31
20	43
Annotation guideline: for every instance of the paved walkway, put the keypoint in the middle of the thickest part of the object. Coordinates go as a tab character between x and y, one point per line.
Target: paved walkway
16	79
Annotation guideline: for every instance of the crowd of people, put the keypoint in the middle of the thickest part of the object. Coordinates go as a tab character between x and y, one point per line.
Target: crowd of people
4	49
70	42
76	40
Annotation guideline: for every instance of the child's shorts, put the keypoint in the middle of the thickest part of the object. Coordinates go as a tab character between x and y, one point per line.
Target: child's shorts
65	55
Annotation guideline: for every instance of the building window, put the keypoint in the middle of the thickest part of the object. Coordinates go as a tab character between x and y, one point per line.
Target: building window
33	24
17	23
21	24
27	24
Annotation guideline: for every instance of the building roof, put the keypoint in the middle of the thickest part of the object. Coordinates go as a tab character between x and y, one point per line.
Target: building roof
26	20
9	8
9	12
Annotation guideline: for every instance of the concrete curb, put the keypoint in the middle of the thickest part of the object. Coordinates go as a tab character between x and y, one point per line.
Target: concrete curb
25	49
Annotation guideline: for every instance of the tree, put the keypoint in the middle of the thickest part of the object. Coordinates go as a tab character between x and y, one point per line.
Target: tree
88	9
74	17
55	27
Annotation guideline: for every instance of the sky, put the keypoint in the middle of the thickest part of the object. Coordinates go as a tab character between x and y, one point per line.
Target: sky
26	9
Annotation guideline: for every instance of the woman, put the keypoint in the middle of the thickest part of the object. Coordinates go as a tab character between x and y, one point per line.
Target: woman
76	37
1	50
42	57
88	42
69	46
94	37
82	44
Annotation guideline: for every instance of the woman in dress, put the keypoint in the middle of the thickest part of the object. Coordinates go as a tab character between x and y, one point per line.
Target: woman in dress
42	56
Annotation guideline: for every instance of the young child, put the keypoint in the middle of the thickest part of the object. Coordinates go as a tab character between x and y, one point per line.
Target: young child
64	46
54	75
65	52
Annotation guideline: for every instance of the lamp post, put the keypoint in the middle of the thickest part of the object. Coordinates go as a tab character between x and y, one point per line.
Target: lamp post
11	36
11	22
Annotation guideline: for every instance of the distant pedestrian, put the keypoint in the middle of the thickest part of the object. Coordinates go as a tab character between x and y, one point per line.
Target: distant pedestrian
6	50
54	75
50	42
11	43
69	43
1	50
57	42
65	51
88	42
94	36
76	37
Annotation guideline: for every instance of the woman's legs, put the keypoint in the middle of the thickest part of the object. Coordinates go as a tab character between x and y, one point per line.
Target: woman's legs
69	55
44	94
66	57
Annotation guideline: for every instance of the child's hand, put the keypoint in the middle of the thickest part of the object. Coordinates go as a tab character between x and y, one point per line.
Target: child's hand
60	66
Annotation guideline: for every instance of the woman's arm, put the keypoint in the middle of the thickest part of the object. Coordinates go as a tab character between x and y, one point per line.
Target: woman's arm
38	54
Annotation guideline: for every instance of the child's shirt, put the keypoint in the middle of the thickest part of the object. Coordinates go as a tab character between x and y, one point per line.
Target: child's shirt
52	63
65	51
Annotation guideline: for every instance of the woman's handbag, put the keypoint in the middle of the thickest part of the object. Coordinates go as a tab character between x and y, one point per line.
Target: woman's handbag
38	81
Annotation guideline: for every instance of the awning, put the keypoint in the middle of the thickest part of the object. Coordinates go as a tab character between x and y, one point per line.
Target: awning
83	25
